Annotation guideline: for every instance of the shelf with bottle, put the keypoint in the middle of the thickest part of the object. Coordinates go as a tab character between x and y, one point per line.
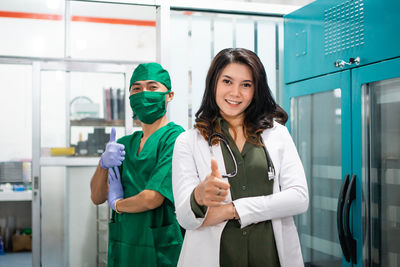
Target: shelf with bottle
15	180
15	191
97	122
91	111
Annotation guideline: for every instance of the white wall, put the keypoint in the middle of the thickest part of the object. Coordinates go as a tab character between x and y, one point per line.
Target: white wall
197	38
15	110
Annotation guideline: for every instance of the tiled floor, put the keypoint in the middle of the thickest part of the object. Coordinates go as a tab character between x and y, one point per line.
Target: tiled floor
20	259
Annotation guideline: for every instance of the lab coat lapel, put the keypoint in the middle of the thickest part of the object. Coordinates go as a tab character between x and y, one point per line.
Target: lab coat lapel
205	154
217	151
273	151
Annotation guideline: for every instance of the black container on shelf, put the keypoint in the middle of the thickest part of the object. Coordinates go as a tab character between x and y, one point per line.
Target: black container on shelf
94	145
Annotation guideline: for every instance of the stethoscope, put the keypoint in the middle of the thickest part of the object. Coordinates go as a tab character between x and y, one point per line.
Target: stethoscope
271	169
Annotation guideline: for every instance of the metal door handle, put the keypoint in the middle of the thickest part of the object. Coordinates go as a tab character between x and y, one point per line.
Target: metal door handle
340	63
339	217
351	242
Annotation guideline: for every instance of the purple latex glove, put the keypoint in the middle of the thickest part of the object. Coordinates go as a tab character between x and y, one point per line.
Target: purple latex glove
115	190
114	154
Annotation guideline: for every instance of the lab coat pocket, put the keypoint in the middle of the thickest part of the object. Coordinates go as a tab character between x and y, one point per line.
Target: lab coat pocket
167	242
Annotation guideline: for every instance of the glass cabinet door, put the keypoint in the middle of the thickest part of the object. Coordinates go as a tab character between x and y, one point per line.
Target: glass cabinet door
15	164
378	161
78	110
79	104
319	112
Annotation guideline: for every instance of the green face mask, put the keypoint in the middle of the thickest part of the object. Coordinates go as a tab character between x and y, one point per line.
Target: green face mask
148	106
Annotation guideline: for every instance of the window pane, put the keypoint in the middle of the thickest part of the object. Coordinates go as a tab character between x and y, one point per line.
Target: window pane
16	110
112	31
32	28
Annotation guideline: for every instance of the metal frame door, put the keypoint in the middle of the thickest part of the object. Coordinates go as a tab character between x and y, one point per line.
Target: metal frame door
313	86
37	160
361	148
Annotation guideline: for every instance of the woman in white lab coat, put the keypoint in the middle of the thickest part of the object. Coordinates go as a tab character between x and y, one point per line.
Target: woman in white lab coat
237	177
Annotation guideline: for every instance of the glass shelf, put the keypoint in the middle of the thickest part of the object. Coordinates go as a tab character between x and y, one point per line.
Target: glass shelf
69	161
98	123
16	196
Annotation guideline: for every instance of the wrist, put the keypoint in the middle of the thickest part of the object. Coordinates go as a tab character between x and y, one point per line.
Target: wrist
234	214
197	198
116	205
101	163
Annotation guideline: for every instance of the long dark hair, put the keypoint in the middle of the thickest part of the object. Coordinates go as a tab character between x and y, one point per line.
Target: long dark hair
259	114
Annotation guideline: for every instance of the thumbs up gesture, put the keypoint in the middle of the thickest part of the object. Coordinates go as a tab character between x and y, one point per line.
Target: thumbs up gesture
114	154
212	191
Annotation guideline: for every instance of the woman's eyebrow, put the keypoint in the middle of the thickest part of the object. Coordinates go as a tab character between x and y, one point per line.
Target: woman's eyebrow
229	77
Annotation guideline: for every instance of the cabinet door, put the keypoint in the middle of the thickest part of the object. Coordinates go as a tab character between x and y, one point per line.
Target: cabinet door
376	154
326	31
74	108
320	126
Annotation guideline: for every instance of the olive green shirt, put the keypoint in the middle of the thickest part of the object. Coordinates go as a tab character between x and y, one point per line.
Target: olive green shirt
253	245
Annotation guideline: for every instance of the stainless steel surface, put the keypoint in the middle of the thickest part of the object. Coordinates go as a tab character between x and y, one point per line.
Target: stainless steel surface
234	7
340	63
67	27
163	33
70	62
36	234
257	7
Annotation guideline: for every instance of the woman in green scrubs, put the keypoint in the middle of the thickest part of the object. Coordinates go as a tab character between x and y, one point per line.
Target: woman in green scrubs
143	230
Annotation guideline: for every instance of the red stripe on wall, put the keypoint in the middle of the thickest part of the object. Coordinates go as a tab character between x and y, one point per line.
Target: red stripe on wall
24	15
114	21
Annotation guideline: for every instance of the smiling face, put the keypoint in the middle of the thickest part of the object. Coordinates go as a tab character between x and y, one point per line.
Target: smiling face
235	91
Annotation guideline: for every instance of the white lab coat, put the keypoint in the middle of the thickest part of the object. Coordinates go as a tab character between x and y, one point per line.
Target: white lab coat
191	163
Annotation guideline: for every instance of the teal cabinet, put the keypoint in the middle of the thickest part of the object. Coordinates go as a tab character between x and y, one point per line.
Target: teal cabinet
346	125
327	31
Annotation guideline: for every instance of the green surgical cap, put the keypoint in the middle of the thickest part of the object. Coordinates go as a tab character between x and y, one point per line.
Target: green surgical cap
151	71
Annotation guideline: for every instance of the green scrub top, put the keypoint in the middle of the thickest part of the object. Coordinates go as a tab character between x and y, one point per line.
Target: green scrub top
150	238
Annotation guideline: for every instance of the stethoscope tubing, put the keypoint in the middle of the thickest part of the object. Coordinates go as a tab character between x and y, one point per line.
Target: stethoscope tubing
271	168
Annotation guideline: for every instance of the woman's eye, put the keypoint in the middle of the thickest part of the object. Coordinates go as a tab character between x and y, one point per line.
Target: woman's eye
153	87
226	81
136	88
247	85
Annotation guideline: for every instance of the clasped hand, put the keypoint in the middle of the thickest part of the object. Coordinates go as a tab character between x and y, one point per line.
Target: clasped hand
212	191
